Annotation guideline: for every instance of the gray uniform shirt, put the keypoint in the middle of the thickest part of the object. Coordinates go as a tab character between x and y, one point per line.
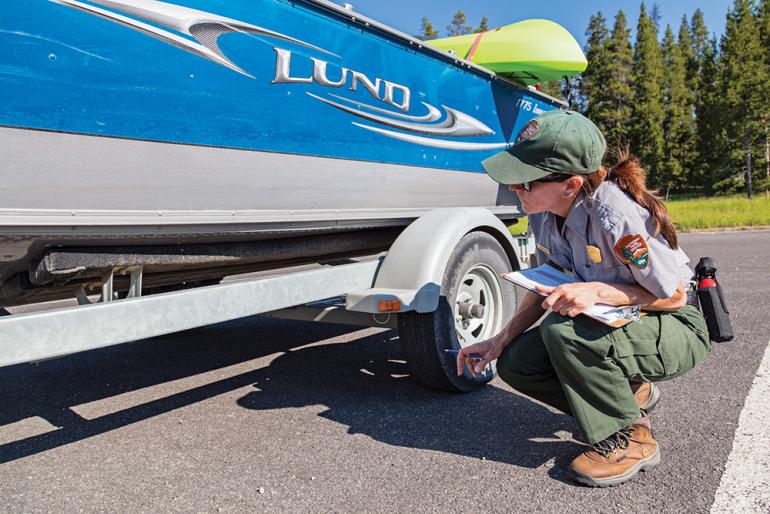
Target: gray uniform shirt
586	245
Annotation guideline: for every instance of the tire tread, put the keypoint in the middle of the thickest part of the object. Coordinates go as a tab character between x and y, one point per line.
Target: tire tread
424	336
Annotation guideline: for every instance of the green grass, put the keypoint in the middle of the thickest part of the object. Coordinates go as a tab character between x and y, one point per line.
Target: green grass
707	213
519	228
720	212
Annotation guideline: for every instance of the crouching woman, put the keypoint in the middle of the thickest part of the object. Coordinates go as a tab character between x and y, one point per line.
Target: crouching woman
608	230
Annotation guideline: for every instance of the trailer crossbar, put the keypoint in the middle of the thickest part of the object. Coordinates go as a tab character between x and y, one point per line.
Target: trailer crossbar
42	335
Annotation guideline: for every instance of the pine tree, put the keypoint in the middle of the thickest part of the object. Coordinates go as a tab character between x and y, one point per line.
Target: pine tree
677	135
687	49
743	79
685	45
483	26
617	93
711	142
702	55
426	29
703	80
763	13
655	17
646	130
594	76
701	44
457	27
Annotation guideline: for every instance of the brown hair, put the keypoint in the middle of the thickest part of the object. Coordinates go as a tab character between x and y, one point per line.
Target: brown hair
629	174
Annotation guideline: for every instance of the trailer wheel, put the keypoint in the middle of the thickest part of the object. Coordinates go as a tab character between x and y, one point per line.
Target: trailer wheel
475	304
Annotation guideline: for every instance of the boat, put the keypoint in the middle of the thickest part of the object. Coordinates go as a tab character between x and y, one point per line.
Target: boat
199	139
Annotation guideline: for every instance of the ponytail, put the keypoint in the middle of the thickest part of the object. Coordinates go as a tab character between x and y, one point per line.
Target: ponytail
629	175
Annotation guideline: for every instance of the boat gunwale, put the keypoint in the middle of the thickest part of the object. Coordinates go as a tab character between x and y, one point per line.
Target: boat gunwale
454	59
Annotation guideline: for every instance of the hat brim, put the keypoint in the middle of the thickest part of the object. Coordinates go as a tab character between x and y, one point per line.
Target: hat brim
508	169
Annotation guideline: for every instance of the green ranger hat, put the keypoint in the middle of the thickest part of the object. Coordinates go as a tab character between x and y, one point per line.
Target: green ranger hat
556	141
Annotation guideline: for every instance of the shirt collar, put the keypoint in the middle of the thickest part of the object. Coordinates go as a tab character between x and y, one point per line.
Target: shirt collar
577	219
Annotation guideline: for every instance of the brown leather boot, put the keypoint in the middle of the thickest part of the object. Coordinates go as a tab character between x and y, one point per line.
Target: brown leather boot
616	459
646	395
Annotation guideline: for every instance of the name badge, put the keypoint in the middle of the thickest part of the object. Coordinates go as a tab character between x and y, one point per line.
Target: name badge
543	249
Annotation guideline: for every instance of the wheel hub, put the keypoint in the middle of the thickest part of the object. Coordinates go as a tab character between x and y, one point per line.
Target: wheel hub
478	305
470	310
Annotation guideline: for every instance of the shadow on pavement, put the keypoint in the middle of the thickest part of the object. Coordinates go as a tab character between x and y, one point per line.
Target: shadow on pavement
367	388
364	384
49	389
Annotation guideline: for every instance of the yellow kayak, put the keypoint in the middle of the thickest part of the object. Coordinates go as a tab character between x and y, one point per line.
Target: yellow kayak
529	51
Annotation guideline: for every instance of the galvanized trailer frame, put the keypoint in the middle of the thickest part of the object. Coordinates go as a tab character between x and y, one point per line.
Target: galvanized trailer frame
410	272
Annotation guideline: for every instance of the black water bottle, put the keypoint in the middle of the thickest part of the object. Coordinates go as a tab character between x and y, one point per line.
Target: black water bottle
712	301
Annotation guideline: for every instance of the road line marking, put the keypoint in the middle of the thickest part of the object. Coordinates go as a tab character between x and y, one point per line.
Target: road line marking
745	484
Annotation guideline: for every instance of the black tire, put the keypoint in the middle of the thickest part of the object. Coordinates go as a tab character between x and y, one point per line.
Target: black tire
425	337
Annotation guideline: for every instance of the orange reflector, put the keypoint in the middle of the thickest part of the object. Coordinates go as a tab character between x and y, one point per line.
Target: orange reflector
390	305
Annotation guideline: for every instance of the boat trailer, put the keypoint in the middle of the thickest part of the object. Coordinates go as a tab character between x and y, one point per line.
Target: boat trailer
441	273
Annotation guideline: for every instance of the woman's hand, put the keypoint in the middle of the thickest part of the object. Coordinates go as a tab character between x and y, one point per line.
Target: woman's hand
570	299
489	350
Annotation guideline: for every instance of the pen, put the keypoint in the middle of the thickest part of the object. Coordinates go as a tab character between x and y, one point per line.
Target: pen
474	356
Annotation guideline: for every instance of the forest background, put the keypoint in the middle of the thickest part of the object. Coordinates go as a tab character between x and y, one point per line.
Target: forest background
692	107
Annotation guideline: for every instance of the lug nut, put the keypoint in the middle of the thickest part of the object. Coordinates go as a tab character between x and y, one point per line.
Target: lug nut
471	310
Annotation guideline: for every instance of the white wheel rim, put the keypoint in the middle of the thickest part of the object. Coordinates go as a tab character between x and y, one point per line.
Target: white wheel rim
479	286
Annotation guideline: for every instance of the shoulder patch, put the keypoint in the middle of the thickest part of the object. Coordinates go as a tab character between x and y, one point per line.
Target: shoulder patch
632	249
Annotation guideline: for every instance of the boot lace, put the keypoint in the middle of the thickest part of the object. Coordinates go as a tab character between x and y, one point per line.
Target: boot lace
619	440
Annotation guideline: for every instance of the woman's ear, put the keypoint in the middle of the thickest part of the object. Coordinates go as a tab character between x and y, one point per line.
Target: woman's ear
572	186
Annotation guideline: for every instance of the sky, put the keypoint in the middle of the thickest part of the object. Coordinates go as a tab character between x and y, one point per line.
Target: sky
571	14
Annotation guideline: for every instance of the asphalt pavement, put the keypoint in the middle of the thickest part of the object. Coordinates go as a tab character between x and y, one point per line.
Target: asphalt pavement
266	415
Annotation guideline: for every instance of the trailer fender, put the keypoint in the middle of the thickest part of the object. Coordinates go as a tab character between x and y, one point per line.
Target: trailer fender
411	274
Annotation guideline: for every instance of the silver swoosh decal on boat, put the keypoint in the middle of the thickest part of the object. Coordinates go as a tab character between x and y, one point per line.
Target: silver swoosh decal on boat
205	27
456	123
433	113
434	143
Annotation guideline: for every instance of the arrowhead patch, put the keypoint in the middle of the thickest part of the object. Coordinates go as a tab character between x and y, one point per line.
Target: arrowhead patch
632	249
527	132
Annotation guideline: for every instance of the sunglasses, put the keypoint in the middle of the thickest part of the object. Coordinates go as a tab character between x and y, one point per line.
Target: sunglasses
556	177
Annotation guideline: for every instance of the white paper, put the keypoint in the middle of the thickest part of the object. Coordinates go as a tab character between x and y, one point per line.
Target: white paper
549	276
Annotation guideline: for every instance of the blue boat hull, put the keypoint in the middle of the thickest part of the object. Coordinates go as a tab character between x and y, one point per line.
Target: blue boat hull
214	120
70	70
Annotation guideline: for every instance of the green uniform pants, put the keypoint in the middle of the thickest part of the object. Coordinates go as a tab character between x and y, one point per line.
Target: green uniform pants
583	367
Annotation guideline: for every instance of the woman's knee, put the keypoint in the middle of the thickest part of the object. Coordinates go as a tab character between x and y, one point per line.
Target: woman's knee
518	381
523	362
507	368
